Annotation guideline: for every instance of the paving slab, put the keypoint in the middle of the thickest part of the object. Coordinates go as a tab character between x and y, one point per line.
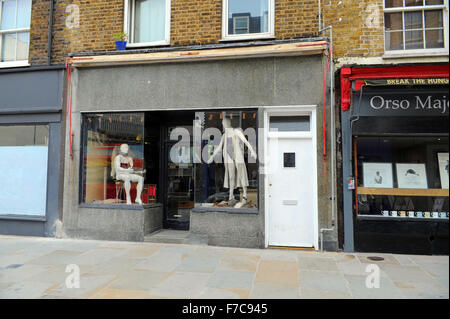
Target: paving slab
322	280
273	291
231	279
33	267
182	285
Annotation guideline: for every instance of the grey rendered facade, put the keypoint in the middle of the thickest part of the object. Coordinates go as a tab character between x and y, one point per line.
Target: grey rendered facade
205	85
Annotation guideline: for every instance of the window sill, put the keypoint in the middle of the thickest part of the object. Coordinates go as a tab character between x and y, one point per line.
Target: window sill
23	218
255	36
14	64
120	206
147	44
415	54
252	211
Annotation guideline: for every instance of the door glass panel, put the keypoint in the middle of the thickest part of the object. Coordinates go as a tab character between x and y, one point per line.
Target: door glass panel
180	178
290	123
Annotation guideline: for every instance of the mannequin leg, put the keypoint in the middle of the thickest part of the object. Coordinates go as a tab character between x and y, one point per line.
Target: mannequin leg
244	194
139	187
127	185
232	179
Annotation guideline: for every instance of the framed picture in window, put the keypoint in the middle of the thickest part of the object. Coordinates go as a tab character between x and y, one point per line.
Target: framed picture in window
411	175
378	175
443	169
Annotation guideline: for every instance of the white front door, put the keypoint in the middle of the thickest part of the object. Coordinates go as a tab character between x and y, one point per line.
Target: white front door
291	193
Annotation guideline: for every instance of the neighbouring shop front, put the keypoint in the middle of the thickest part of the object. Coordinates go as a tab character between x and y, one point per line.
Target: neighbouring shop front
185	146
30	144
395	159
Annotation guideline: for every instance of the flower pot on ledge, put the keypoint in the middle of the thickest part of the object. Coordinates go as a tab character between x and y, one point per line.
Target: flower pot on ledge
121	45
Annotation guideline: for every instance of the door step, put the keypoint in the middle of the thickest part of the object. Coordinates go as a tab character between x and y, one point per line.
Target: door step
170	236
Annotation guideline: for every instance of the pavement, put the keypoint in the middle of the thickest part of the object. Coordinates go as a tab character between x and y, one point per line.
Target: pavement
33	267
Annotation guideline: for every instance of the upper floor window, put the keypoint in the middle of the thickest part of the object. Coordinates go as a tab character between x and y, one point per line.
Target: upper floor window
416	25
249	19
15	16
147	22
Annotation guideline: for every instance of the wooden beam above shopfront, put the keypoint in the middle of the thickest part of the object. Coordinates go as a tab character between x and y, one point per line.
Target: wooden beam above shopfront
277	50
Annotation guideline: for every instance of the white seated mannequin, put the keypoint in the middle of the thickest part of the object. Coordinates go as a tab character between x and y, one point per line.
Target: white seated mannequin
233	156
123	166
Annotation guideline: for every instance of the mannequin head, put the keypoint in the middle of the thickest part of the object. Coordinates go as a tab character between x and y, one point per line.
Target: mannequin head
226	123
124	149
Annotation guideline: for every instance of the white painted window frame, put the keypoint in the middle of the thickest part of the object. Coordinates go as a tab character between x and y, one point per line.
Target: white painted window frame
16	63
128	25
291	110
250	36
418	52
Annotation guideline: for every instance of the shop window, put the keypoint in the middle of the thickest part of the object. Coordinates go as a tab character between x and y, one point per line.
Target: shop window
24	161
248	19
416	25
147	22
227	175
402	176
15	16
113	159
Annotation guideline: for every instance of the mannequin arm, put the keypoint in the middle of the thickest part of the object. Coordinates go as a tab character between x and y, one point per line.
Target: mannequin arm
247	143
217	150
119	169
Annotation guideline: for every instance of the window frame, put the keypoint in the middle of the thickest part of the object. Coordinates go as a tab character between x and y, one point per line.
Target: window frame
270	34
417	52
128	25
15	63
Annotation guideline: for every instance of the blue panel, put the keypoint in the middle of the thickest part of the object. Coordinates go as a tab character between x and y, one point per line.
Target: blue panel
23	177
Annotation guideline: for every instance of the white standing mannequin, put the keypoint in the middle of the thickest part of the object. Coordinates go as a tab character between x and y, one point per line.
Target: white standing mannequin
233	156
127	175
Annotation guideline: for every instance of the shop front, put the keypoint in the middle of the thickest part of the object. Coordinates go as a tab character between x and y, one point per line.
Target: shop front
187	145
395	159
30	144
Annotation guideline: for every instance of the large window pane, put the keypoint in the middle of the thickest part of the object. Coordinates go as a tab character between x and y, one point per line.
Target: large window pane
393	3
383	160
435	39
394	40
150	20
23	40
23	13
8	18
413	3
107	163
434	2
8	47
251	16
414	40
413	20
433	19
23	157
393	21
232	163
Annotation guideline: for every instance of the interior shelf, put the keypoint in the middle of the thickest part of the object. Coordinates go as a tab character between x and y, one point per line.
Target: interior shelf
402	191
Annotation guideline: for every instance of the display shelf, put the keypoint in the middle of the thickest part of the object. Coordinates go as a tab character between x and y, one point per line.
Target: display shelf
402	191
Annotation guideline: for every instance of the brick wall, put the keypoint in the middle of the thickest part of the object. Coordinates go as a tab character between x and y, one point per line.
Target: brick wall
357	27
192	22
39	32
200	22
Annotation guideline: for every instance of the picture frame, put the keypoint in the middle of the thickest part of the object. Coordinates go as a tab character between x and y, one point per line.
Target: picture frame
443	169
378	175
412	175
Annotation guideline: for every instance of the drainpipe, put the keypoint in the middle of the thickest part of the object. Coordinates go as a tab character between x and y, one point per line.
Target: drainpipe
50	30
333	133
